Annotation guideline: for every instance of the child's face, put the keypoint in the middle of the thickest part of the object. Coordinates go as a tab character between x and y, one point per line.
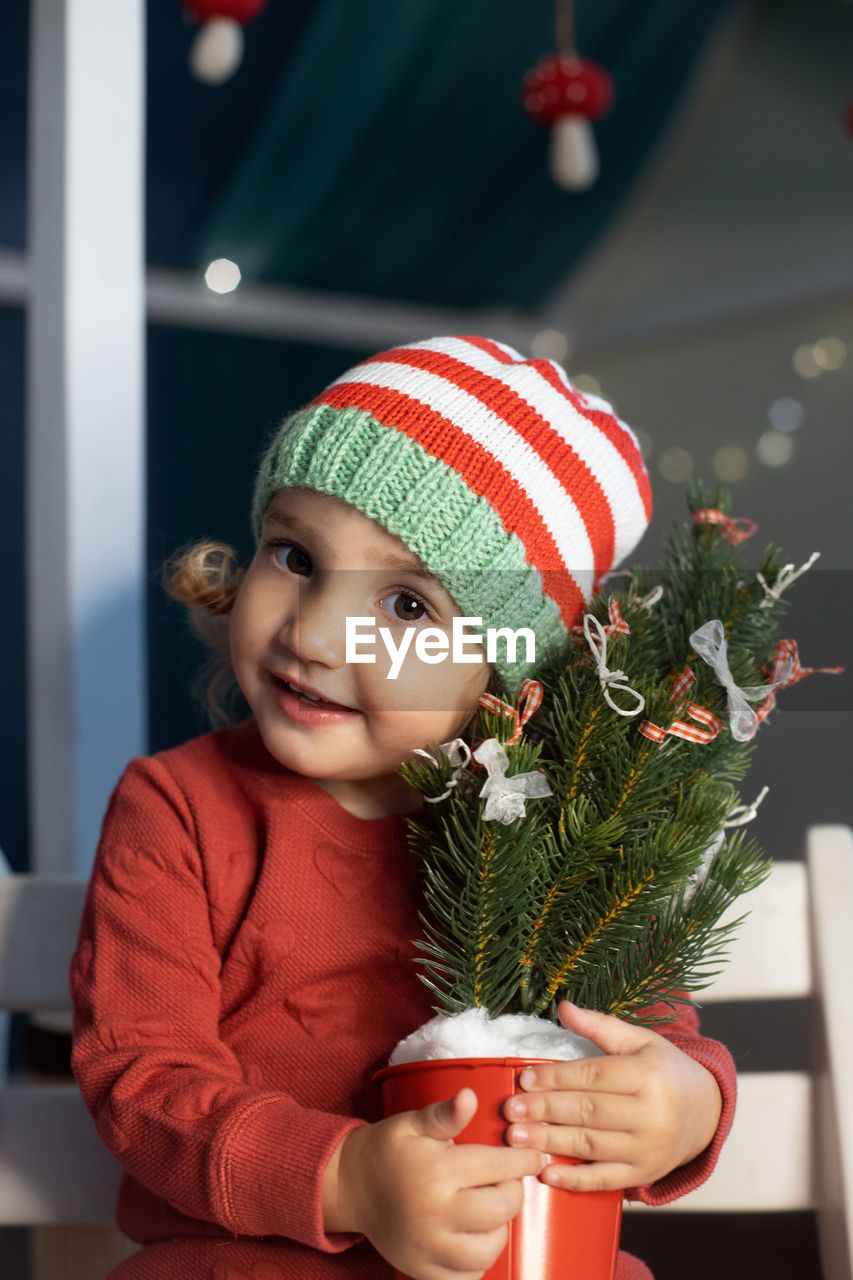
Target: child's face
319	561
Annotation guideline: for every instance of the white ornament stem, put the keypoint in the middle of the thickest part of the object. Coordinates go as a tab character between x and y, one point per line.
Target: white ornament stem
784	578
217	50
596	638
574	155
743	813
459	754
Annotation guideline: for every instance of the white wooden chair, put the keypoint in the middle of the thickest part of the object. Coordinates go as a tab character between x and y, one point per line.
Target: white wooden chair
56	1177
791	1147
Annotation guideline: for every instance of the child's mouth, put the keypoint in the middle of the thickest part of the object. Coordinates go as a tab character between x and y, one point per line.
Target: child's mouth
308	699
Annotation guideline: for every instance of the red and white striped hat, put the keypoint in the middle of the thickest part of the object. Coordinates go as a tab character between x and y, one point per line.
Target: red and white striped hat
484	464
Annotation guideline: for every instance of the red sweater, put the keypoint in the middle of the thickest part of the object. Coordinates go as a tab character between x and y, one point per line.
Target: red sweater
243	967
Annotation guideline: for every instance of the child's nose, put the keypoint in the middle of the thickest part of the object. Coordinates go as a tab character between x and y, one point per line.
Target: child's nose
316	632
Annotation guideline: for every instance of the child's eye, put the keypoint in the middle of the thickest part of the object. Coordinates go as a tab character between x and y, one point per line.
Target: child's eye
293	558
405	605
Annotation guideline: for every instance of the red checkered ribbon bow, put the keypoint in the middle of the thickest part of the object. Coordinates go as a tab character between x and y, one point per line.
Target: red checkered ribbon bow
681	729
788	670
682	682
617	626
735	528
529	699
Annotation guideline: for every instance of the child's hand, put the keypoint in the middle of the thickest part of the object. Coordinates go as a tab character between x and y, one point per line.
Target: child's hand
435	1211
635	1115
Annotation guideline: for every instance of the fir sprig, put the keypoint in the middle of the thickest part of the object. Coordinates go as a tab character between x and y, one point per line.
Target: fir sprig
609	891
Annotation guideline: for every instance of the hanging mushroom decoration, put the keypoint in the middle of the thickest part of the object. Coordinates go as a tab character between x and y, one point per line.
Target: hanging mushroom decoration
217	50
567	92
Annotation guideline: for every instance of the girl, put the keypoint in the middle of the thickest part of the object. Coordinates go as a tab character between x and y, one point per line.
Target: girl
244	962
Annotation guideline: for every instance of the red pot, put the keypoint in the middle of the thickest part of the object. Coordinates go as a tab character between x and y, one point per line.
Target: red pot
573	1235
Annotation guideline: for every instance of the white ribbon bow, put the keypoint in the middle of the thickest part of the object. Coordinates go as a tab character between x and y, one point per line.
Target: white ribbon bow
609	679
458	754
505	796
710	643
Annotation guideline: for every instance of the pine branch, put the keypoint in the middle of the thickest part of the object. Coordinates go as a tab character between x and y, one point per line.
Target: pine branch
610	890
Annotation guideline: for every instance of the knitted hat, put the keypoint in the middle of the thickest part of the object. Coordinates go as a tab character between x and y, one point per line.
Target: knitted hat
517	491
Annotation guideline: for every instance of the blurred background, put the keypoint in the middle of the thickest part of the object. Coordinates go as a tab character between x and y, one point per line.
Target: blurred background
367	175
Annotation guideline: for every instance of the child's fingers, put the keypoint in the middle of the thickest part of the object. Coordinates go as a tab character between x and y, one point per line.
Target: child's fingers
484	1209
610	1034
570	1107
476	1166
622	1075
466	1255
445	1120
614	1176
473	1231
583	1144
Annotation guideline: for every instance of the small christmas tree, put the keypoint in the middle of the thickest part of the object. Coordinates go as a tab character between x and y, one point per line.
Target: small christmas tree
597	860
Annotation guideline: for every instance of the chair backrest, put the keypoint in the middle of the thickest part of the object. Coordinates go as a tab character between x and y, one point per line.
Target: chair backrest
791	1146
53	1166
39	919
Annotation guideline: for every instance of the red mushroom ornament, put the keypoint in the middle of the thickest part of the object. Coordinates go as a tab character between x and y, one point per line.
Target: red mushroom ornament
566	92
217	50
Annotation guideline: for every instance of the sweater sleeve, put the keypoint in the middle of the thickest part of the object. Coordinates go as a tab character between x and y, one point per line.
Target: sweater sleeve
169	1098
684	1033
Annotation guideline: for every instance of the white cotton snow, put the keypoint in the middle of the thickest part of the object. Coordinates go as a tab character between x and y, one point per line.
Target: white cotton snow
473	1034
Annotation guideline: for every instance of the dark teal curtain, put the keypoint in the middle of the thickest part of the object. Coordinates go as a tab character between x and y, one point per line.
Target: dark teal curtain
371	146
393	158
388	156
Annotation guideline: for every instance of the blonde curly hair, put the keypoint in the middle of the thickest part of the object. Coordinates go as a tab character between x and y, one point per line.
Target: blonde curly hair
205	577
